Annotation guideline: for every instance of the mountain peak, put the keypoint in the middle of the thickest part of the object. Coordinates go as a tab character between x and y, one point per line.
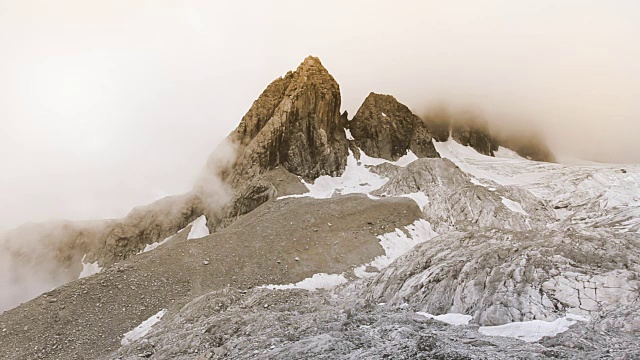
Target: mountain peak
384	127
311	72
294	123
311	61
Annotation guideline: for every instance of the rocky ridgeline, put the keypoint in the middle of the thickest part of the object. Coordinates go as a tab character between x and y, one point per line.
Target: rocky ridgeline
387	129
504	253
454	201
295	124
294	128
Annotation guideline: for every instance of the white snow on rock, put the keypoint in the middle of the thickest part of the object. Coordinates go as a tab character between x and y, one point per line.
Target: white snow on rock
419	197
348	133
356	179
451	319
507	154
89	269
398	243
589	195
395	244
142	329
531	331
150	247
198	228
317	281
513	205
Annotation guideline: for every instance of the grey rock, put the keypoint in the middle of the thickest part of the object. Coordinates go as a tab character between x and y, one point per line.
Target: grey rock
296	124
385	128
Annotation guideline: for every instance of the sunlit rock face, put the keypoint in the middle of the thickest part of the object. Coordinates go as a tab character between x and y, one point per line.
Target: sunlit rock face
296	124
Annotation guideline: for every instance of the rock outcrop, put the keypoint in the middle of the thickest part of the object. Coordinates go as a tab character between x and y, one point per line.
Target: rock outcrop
474	133
295	124
502	276
385	128
530	145
455	200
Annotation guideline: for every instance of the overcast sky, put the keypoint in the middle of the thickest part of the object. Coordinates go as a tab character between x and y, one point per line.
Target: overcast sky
105	105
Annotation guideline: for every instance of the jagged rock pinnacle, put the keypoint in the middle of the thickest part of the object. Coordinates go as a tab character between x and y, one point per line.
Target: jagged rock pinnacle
295	123
383	127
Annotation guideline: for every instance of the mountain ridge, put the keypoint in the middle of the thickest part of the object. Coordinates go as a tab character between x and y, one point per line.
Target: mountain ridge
293	128
330	237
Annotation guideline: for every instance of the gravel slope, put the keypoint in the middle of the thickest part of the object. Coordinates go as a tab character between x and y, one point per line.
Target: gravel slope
86	319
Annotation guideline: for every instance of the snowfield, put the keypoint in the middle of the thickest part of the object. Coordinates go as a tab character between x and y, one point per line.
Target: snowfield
592	195
317	281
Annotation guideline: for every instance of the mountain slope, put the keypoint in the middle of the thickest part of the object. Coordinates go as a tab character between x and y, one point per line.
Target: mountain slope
384	236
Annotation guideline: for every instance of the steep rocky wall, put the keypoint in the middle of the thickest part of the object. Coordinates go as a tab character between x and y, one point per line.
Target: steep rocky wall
296	124
385	128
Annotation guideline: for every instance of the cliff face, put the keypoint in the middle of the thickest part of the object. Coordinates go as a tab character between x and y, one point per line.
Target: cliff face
474	133
385	128
295	124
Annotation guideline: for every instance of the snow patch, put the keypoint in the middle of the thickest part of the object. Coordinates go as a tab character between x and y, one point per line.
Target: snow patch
150	247
451	318
505	153
198	228
398	243
356	179
383	114
513	205
142	329
348	133
419	197
406	159
89	269
317	281
531	331
475	181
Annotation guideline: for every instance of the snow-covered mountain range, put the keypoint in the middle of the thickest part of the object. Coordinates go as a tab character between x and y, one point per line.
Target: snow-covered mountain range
312	235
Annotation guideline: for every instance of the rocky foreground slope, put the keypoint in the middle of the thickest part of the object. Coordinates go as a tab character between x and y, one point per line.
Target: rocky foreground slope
310	235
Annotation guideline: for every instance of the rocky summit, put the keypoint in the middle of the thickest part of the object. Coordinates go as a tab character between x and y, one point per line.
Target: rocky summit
296	124
312	235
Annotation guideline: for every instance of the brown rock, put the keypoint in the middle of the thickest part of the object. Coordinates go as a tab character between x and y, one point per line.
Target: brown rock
385	128
296	124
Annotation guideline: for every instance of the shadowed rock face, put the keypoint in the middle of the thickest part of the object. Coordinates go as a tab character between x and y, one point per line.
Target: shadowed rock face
295	123
475	134
385	128
529	145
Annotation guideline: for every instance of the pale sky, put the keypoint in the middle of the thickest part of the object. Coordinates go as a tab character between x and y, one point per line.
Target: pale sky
106	105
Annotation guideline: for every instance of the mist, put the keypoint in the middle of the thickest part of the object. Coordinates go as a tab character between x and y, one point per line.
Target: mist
109	105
